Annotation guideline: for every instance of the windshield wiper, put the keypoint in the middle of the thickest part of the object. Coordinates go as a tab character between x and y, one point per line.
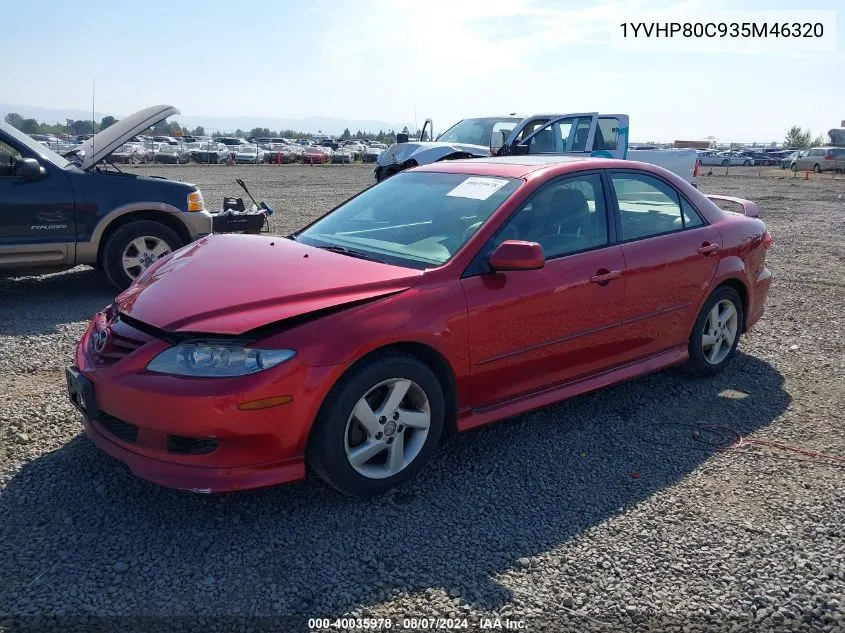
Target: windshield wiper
351	253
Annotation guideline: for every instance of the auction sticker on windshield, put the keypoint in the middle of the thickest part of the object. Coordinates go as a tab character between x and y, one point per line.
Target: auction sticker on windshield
477	188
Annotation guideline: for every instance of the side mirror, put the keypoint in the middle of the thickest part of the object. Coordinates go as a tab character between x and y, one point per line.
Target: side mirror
517	255
29	169
519	149
401	138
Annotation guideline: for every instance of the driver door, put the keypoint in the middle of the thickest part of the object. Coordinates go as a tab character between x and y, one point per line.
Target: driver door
533	329
37	216
591	133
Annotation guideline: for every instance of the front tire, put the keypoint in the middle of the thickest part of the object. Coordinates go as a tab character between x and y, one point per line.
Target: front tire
378	426
725	163
134	247
716	332
817	169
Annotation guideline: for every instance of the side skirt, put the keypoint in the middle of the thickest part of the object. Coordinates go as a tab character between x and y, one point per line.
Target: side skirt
551	395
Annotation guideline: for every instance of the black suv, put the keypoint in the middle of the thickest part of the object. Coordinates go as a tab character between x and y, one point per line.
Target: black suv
57	212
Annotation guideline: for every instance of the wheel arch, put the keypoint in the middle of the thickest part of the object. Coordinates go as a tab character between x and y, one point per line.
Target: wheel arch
736	284
430	357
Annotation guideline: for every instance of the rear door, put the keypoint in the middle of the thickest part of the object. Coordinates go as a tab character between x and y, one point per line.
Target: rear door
37	217
671	255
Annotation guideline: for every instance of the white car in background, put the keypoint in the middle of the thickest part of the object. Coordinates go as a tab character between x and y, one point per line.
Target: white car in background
249	155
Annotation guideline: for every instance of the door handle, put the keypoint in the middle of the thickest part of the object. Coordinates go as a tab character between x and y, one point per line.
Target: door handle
707	248
604	276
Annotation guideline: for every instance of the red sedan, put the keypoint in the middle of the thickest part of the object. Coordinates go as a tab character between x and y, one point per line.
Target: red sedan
314	155
446	297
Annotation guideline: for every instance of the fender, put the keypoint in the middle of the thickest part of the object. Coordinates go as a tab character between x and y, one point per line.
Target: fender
730	268
86	252
382	323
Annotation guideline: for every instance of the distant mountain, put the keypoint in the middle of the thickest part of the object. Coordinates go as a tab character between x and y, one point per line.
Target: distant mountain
312	124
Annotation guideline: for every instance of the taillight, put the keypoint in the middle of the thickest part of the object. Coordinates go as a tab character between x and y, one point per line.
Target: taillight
697	163
830	157
767	240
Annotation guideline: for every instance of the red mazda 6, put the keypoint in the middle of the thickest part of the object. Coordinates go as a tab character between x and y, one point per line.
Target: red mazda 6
446	297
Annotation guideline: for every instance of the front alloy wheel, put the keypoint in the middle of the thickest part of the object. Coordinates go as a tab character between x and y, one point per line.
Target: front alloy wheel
142	252
378	426
387	428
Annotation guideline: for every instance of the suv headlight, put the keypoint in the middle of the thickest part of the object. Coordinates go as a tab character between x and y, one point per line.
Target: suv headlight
217	359
195	201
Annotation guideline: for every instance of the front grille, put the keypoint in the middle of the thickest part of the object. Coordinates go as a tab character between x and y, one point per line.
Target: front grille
123	340
117	427
191	445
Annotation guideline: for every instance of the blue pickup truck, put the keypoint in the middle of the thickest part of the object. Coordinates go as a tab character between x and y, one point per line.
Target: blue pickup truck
57	212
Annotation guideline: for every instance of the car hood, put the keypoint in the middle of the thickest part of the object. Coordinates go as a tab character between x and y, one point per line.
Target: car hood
104	143
231	283
427	152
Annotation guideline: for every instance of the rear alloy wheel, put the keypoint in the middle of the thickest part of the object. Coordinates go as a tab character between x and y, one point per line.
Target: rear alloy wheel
378	426
134	247
716	333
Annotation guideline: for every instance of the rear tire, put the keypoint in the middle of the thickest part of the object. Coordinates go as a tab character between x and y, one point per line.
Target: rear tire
341	435
725	163
156	240
716	332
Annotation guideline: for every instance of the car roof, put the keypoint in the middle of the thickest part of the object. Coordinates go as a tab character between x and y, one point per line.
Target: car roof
517	166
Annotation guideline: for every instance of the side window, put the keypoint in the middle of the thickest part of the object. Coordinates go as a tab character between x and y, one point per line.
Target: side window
690	215
564	217
530	128
8	157
607	134
647	206
582	131
565	135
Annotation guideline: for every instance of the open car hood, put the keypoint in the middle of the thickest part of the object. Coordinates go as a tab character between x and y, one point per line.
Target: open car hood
104	143
231	284
427	152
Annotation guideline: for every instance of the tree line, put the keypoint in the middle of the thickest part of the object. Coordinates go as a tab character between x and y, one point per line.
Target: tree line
173	128
802	139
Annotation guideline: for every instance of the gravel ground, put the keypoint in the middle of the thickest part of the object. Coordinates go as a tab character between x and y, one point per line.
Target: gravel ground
602	513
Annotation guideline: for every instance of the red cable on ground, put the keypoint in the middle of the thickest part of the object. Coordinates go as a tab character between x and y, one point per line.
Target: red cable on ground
725	438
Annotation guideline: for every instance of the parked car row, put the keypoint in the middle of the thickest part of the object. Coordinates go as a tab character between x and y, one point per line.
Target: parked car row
817	159
241	151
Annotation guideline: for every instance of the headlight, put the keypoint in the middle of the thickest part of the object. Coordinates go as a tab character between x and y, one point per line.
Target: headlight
217	359
195	201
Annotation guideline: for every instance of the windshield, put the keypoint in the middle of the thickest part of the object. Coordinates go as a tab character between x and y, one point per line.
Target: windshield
417	220
478	131
34	146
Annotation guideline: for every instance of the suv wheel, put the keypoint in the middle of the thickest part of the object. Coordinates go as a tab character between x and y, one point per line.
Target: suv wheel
817	169
134	247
